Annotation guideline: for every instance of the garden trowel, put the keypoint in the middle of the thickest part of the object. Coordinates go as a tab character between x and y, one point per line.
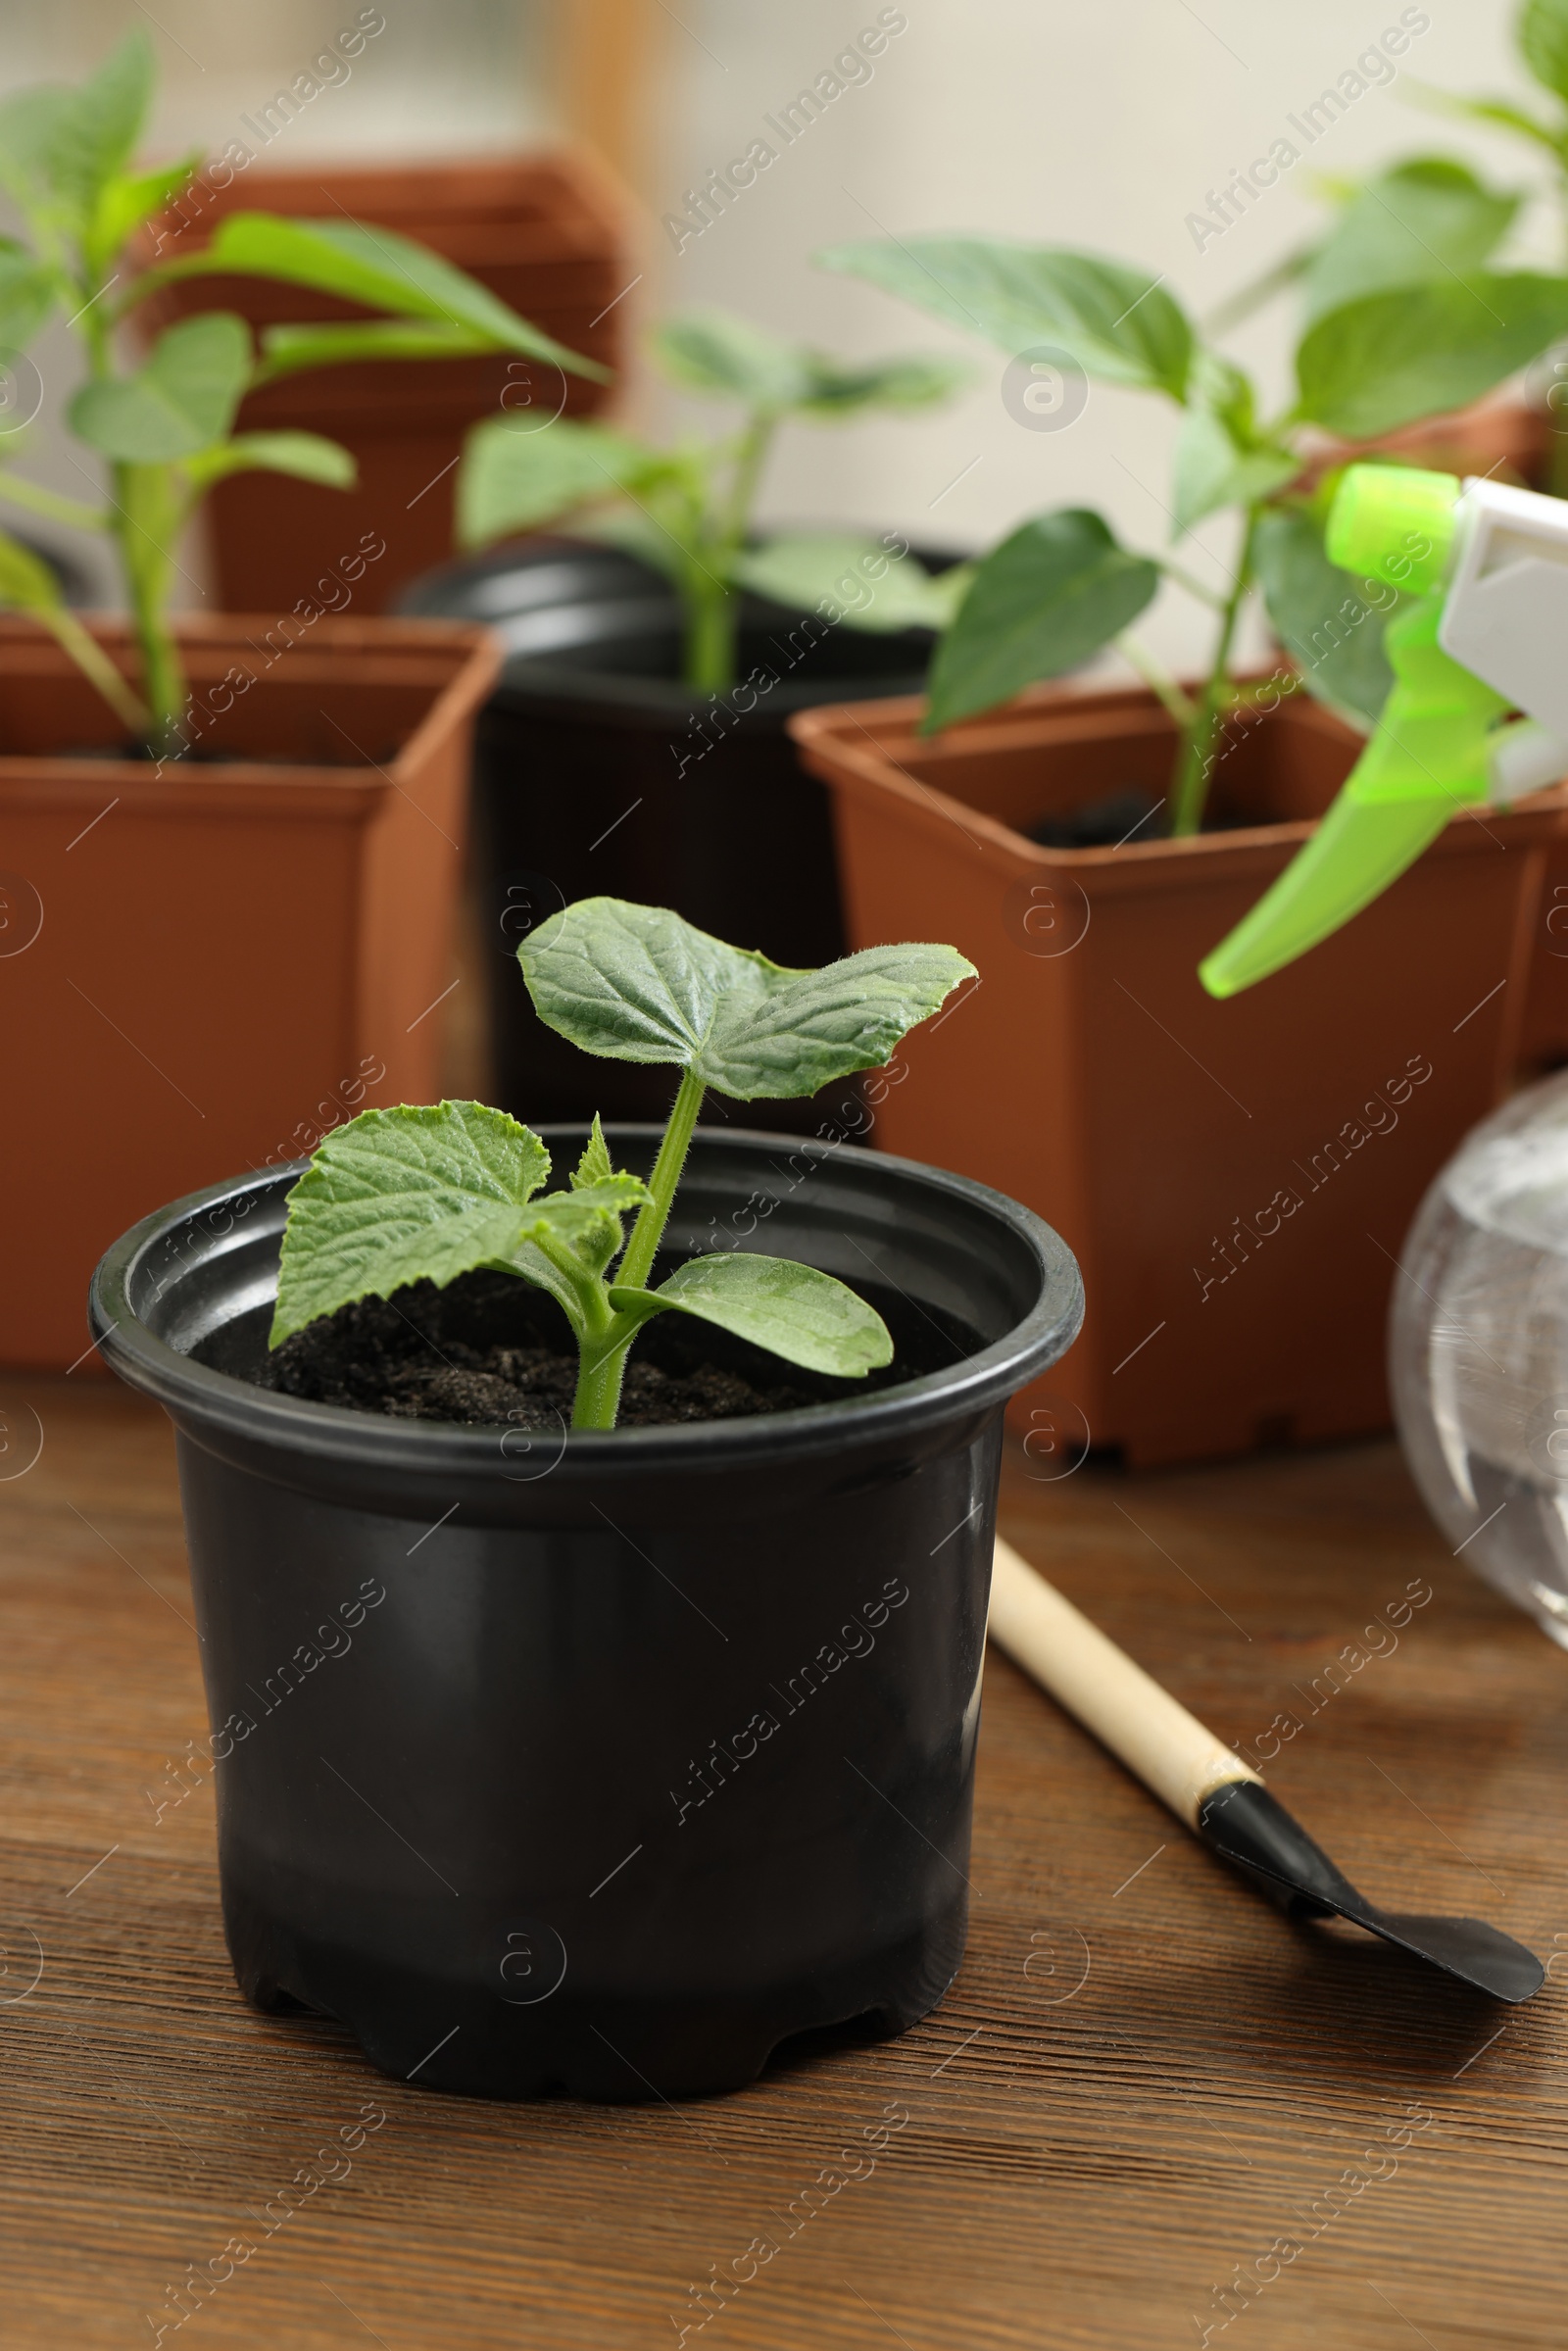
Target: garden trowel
1485	636
1213	1791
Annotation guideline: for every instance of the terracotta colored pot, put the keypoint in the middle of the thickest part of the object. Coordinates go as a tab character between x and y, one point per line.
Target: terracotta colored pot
1234	1178
205	968
1544	1041
545	232
1505	439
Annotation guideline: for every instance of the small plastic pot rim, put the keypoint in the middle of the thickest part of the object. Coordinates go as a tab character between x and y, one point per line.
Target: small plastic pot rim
977	1381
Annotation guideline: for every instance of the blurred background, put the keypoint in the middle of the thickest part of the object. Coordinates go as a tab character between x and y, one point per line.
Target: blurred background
1102	127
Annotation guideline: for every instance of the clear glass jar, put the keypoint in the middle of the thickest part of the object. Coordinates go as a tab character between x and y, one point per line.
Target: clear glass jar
1478	1352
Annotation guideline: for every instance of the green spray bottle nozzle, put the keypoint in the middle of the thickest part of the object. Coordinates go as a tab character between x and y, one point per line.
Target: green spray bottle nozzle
1394	524
1426	755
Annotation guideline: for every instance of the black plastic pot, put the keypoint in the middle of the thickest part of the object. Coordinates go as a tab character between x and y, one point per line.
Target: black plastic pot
597	773
603	1763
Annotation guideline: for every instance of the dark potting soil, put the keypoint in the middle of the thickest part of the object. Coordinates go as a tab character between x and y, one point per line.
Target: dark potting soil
1102	824
141	753
405	1360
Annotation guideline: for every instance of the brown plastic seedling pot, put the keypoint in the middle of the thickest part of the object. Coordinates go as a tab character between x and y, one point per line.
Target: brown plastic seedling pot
1507	438
544	232
1234	1178
203	969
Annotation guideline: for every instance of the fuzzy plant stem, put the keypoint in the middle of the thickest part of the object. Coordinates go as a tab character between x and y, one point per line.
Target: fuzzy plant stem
97	668
603	1347
143	518
601	1368
649	1230
709	658
1194	758
712	606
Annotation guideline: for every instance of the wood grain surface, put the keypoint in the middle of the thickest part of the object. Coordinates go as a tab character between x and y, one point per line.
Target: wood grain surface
1141	2083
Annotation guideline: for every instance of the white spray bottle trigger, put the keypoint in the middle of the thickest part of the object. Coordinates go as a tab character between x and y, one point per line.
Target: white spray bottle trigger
1525	756
1505	617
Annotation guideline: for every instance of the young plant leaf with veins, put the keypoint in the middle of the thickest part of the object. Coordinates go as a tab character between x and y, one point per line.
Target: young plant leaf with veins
409	1194
1407	318
164	424
687	508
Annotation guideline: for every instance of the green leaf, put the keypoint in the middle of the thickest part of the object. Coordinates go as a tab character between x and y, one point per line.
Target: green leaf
586	1220
30	121
513	480
1325	618
639	984
861	583
602	1240
1211	473
28	291
915	381
1219	385
1543	36
1501	113
1221	459
1117	322
1503	116
636	533
409	1194
594	1166
125	202
308	456
612	1196
1422	350
289	350
27	584
180	403
97	135
1045	600
792	1311
60	148
712	351
1429	218
395	1196
376	267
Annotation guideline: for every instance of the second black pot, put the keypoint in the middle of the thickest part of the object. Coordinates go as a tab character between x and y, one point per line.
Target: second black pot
604	1762
597	773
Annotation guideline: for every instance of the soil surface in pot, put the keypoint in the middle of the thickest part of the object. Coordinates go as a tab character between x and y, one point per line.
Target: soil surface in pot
1114	819
140	754
486	1352
1102	824
370	1357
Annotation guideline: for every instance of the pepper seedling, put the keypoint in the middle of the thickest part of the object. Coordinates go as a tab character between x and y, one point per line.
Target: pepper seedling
165	425
1062	587
407	1195
687	510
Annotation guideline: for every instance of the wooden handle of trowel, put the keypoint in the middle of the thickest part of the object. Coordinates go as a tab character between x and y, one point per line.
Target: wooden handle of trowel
1167	1748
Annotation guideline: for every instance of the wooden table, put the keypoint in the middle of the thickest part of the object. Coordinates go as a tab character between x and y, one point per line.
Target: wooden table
1141	2081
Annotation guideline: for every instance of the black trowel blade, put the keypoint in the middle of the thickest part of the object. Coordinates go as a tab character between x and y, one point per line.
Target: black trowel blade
1243	1823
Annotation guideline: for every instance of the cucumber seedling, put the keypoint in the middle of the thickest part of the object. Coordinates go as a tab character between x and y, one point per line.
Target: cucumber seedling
405	1195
